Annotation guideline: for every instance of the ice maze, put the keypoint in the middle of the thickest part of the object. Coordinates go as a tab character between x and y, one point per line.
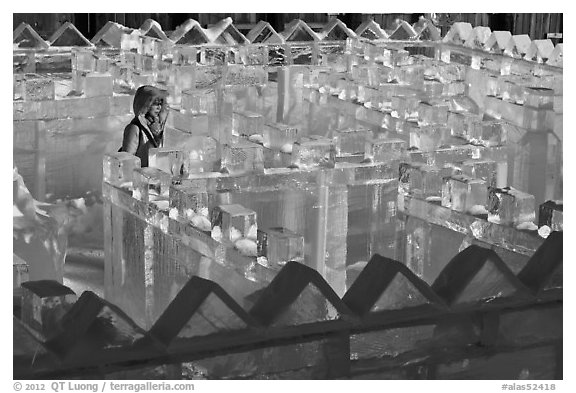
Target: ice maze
312	184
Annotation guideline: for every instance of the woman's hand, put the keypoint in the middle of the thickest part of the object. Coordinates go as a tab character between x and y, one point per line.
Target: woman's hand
163	115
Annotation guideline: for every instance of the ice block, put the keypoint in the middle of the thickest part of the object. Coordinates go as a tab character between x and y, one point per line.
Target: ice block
539	97
384	149
281	246
98	84
551	214
461	124
242	157
83	59
464	194
493	173
20	274
508	206
429	114
198	101
488	133
351	141
231	223
429	137
421	180
151	184
192	201
118	168
44	303
39	89
404	107
170	160
248	123
313	151
280	136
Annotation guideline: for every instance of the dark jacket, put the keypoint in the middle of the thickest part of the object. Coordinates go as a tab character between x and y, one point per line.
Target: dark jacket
143	133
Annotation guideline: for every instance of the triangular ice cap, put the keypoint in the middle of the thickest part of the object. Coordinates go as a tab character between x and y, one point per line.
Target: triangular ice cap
478	37
151	28
371	30
458	33
547	260
225	33
403	32
110	35
26	37
201	308
476	275
263	32
518	45
385	285
68	35
426	31
297	295
299	31
539	50
498	41
189	33
556	56
336	30
94	324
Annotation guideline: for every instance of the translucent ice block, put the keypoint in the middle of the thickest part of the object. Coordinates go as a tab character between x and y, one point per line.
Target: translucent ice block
313	151
39	89
190	199
240	75
170	160
421	180
20	274
83	59
280	136
198	101
118	168
465	194
432	114
151	184
283	245
384	149
242	157
429	137
551	214
494	173
508	206
488	133
539	97
248	123
461	124
351	141
98	84
233	222
404	107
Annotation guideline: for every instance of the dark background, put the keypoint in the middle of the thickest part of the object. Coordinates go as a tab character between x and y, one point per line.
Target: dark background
535	25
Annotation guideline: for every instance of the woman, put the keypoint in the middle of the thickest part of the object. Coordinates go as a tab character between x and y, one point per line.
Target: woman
146	130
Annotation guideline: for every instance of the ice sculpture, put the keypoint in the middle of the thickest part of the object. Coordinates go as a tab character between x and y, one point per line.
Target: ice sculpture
458	33
498	41
518	45
335	30
44	302
110	35
26	37
263	32
539	50
508	206
403	31
68	35
371	30
299	31
189	33
479	38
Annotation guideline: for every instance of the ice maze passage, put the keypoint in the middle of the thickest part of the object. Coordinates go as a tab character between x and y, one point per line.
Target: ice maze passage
316	149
